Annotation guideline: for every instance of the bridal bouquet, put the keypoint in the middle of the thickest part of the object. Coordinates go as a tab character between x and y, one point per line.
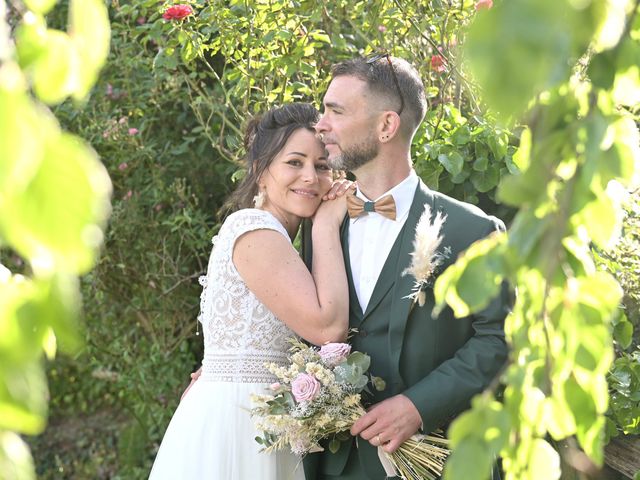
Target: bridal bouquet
318	397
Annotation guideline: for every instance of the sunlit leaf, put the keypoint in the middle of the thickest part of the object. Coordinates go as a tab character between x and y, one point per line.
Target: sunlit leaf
591	438
31	39
543	35
459	466
558	417
40	6
15	460
452	162
471	283
23	397
90	31
57	217
20	156
623	333
613	14
55	72
544	461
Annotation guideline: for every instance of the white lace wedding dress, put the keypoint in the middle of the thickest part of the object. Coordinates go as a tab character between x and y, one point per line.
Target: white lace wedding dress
211	435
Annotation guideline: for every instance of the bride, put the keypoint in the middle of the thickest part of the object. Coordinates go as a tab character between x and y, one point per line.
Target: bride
257	293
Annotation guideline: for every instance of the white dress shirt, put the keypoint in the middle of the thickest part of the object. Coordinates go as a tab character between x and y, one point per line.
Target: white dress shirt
372	235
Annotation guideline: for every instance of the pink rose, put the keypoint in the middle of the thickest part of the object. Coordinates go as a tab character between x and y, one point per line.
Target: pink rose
133	131
177	12
438	63
123	166
305	387
334	353
480	4
275	386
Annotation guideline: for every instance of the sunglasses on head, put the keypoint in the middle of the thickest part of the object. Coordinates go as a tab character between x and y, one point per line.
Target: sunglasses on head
377	57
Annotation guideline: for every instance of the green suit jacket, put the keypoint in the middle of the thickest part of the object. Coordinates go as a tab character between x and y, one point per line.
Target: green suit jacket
438	363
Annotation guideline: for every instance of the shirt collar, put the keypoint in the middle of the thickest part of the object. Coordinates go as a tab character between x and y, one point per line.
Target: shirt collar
402	194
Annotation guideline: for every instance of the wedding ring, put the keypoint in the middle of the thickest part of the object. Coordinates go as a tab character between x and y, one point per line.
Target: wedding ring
378	439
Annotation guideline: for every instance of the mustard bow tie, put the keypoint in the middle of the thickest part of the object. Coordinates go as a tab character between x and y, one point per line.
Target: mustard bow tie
386	206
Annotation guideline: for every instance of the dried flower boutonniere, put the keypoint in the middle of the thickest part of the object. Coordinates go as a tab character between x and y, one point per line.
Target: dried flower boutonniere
425	258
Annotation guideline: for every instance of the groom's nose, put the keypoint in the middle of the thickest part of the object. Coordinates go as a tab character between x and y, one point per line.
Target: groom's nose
322	126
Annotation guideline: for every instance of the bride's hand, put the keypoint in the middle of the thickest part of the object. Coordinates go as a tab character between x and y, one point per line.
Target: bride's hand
338	188
333	211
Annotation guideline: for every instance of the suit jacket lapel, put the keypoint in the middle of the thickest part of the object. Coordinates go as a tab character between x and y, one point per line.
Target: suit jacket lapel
400	304
354	303
387	276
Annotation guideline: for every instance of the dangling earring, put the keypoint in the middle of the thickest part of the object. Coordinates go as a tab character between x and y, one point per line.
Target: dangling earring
258	200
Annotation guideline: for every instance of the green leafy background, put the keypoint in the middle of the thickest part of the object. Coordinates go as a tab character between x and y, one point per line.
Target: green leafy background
531	116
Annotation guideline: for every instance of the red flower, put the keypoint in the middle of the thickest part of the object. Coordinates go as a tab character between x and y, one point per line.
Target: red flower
480	4
438	63
177	12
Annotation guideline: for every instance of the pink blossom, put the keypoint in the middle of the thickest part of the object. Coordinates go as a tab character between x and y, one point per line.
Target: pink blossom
480	4
275	386
123	120
382	28
305	387
133	131
128	195
438	63
334	353
109	90
177	12
141	20
123	166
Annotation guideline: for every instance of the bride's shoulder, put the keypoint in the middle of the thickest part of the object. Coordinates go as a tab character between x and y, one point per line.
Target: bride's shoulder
248	219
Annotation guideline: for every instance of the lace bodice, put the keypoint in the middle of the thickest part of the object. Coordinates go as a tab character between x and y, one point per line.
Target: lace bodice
240	333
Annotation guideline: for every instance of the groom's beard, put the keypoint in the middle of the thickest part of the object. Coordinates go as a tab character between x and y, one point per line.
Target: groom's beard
356	156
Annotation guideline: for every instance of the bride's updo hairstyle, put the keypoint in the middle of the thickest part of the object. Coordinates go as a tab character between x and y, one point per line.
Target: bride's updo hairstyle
264	138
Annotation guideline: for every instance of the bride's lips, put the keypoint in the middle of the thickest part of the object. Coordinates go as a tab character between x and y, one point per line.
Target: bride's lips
305	192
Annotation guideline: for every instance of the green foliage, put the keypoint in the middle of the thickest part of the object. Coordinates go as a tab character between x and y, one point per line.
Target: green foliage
576	142
240	59
166	118
54	202
185	88
624	376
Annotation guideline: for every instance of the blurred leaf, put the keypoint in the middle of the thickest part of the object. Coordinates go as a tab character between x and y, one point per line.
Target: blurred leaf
623	333
23	396
459	466
90	31
626	88
55	70
15	459
57	217
544	461
40	6
543	35
31	39
469	285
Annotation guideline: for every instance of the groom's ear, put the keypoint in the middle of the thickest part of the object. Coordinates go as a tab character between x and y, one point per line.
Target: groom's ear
389	126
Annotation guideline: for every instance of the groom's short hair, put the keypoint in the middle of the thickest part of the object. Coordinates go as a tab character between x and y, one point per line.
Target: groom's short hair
379	78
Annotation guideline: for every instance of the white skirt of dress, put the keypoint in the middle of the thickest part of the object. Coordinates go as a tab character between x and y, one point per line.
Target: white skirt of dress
212	436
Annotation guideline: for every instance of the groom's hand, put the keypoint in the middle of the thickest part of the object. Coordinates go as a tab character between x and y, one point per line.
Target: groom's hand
194	378
389	423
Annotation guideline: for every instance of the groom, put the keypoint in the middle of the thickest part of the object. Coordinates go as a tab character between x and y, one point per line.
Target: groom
432	365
